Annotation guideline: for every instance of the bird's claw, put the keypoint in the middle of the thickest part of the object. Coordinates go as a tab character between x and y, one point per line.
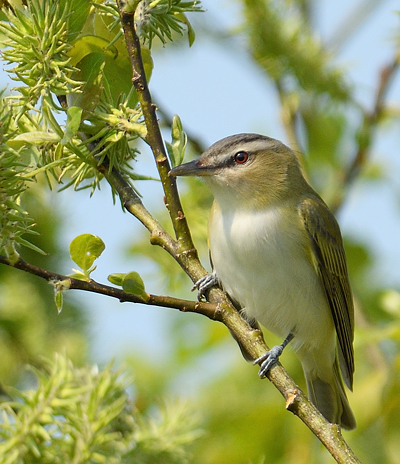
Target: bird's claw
203	284
271	357
268	359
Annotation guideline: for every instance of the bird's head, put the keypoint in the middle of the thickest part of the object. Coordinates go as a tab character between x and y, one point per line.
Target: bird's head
247	170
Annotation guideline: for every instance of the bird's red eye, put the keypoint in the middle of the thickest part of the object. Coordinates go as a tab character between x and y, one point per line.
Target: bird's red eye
241	157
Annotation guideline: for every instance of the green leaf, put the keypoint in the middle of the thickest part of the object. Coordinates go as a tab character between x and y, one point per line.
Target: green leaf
59	287
74	116
79	275
133	283
116	70
79	12
85	249
116	278
325	126
30	245
58	299
147	62
176	149
91	72
89	44
33	138
118	73
191	34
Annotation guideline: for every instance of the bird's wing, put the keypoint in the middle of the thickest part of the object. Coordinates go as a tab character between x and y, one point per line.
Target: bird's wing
330	262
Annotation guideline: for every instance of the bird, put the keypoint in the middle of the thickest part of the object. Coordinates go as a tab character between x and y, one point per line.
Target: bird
277	251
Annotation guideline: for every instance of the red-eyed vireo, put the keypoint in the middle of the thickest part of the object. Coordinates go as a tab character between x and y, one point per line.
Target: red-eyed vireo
277	251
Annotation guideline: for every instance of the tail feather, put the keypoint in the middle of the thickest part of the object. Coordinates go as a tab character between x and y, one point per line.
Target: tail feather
330	398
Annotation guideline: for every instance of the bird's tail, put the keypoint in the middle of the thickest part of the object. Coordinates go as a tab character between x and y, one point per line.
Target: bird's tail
330	398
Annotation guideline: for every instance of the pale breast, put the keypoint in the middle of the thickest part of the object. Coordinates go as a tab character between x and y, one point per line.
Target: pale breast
261	260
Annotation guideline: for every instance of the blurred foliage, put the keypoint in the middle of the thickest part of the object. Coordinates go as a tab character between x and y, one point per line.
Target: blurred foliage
74	108
14	220
29	324
283	43
85	415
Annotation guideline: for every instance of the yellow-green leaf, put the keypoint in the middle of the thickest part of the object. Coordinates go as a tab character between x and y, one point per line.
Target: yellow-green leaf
116	278
85	249
91	72
74	115
33	138
133	283
87	44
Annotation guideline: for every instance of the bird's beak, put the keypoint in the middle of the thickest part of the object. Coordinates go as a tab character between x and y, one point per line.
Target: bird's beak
193	168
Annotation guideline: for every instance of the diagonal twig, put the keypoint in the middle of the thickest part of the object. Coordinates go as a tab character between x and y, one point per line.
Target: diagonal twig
371	119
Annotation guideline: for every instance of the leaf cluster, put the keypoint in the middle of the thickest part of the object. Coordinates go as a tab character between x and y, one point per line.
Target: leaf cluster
163	18
37	42
285	46
85	415
14	220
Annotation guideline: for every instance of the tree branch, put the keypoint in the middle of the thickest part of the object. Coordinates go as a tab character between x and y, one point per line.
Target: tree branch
69	283
367	131
154	137
371	119
288	115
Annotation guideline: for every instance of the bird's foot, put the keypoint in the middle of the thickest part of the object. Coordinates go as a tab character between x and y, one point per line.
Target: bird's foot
271	357
203	284
268	359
